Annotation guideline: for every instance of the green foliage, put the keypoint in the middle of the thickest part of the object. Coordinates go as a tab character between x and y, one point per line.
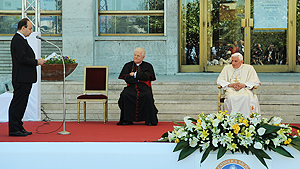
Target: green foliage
58	60
190	19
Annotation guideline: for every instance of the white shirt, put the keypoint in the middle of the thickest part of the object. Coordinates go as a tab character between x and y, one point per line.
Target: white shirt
21	35
136	71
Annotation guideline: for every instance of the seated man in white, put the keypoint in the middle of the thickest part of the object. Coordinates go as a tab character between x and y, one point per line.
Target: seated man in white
237	80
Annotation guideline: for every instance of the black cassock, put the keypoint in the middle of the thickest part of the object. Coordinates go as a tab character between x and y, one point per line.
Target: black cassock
136	100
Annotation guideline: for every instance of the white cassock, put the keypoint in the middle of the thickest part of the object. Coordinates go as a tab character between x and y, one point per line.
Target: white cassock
242	101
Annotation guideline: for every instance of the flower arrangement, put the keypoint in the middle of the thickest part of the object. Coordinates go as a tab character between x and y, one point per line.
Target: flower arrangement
234	132
57	59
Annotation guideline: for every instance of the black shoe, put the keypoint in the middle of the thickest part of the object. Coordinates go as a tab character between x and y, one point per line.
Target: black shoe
17	133
150	124
125	123
27	132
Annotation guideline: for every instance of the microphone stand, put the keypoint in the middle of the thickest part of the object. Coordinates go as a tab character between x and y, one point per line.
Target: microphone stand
64	132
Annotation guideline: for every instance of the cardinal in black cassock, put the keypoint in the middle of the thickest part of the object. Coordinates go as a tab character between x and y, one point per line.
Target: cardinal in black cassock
136	100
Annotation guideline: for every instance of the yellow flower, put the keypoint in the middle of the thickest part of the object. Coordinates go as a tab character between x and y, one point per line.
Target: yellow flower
288	141
199	123
245	121
248	134
229	134
236	131
236	127
281	132
298	132
219	116
204	134
241	120
177	140
73	60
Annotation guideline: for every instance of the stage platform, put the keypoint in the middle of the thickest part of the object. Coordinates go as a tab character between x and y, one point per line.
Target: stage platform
109	146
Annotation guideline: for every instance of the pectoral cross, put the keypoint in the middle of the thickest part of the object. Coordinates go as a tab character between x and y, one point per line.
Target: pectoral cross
235	80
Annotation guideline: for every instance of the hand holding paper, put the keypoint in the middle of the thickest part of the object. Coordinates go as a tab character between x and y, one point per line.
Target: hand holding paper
50	56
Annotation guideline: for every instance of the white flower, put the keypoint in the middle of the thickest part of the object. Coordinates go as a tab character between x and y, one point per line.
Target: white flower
188	123
267	142
193	142
225	125
245	143
203	125
222	140
215	142
216	122
211	116
276	141
264	120
257	145
171	136
254	121
276	120
181	133
205	145
251	128
261	131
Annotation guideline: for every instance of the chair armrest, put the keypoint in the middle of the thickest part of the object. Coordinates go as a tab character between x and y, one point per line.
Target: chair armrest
254	90
220	92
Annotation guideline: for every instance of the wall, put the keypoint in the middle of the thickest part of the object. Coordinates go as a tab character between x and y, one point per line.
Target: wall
80	40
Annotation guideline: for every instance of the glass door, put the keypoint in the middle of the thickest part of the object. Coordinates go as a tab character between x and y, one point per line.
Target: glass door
269	36
189	36
297	36
264	32
225	32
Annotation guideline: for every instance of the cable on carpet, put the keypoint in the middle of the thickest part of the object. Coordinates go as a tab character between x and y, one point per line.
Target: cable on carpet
46	120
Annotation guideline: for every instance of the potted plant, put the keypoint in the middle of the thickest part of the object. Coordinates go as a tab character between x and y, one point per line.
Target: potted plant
53	68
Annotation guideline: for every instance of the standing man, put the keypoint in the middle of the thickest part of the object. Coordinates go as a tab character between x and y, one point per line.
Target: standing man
23	75
238	79
136	100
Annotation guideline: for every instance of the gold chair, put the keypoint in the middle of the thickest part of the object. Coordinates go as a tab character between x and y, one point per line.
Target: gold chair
221	97
95	89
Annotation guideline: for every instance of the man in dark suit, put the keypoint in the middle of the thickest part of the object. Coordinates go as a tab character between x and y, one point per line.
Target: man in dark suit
23	75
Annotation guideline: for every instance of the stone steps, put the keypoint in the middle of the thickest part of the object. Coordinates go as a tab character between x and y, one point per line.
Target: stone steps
174	100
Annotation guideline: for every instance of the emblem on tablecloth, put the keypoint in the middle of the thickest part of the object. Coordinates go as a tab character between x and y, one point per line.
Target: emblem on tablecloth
232	164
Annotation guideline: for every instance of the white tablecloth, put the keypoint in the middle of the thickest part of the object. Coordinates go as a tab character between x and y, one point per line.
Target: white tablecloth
31	114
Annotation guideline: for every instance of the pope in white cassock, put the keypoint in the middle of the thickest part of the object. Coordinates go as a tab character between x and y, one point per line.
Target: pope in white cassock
238	80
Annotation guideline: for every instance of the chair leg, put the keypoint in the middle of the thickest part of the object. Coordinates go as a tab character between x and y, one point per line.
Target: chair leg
105	111
78	111
84	108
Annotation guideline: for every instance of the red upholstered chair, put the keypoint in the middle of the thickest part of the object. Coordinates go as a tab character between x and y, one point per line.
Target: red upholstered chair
95	89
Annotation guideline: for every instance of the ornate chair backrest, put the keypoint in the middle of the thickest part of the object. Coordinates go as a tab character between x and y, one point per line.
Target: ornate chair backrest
96	80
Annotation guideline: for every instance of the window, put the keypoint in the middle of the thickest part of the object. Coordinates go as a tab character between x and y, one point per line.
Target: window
51	21
131	17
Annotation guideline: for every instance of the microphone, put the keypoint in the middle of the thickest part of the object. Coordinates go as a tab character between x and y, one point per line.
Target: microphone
64	132
40	38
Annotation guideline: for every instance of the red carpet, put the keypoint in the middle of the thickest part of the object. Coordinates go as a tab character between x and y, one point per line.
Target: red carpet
94	131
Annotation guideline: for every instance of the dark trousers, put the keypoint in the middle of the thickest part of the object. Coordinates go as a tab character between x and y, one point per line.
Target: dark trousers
18	105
